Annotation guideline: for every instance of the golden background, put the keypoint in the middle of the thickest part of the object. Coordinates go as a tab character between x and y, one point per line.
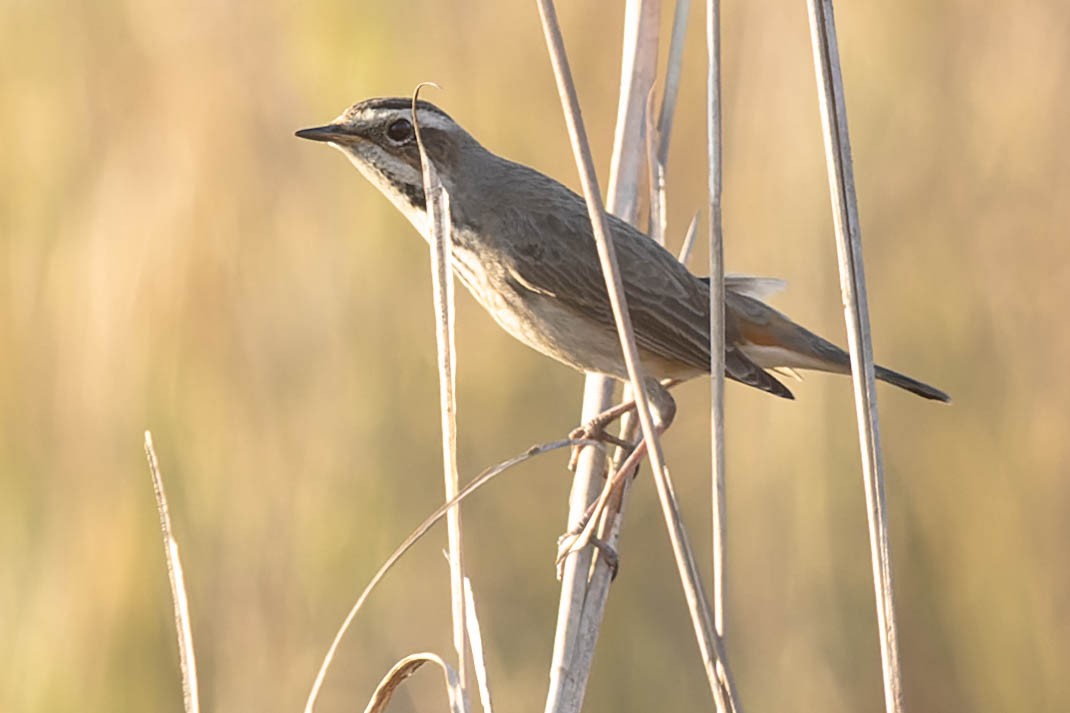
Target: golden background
174	259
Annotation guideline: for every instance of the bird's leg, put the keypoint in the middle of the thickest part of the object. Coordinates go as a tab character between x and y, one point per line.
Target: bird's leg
595	429
583	533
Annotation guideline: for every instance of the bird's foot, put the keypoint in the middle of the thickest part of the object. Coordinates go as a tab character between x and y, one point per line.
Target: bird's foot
574	540
595	430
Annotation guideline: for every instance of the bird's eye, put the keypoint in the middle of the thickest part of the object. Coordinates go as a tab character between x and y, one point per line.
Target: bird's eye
400	131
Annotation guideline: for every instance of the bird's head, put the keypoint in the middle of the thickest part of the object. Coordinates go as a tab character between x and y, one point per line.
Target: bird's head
378	137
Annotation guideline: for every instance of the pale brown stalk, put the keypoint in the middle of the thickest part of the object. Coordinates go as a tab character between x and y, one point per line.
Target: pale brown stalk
697	605
856	314
716	267
407	667
585	588
186	658
439	239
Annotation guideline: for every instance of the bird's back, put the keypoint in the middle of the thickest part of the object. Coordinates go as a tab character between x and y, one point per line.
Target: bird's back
539	238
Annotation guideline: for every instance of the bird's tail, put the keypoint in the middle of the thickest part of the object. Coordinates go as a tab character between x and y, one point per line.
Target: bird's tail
773	340
832	358
912	385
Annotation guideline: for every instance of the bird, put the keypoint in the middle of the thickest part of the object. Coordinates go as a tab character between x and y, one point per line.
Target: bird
523	245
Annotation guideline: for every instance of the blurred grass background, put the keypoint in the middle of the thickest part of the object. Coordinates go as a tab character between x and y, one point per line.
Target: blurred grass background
174	259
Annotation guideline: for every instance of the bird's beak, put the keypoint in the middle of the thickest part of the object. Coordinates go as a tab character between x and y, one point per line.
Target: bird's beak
330	132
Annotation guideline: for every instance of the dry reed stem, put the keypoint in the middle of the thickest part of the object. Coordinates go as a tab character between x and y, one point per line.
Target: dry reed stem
729	701
574	642
856	315
475	641
586	576
438	227
697	605
659	134
716	268
638	70
187	660
689	240
655	177
672	79
408	666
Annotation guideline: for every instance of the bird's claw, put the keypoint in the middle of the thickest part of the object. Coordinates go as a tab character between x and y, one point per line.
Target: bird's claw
573	541
593	430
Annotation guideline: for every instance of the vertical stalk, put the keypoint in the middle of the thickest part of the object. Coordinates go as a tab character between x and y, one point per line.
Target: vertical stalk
585	589
716	239
191	699
856	314
709	644
441	244
573	643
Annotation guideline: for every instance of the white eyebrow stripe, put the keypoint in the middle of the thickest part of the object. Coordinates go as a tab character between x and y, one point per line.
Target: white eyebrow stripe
433	120
427	118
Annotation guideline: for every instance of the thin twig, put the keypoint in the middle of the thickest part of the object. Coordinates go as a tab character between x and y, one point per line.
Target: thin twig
475	640
689	240
672	79
187	660
472	486
856	314
656	177
658	134
438	213
697	605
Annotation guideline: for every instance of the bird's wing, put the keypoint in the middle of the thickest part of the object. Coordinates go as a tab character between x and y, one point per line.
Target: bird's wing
669	306
739	367
756	287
